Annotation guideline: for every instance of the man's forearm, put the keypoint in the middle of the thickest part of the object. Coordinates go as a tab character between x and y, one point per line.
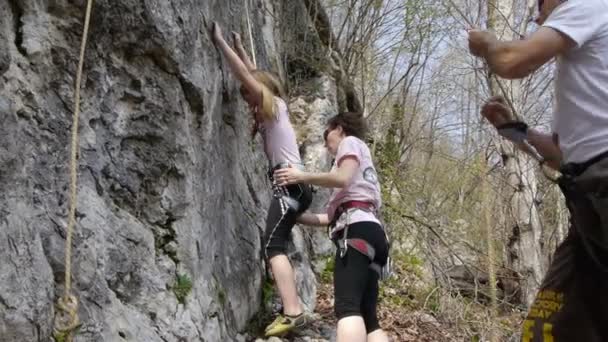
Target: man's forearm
509	59
546	145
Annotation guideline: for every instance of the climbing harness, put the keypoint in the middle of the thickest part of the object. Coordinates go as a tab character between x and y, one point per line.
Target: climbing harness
341	223
66	316
281	192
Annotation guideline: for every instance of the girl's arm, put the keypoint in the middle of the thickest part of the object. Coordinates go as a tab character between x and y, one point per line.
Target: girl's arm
338	178
311	219
240	51
239	69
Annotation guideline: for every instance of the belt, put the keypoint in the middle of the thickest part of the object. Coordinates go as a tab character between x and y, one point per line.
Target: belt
576	169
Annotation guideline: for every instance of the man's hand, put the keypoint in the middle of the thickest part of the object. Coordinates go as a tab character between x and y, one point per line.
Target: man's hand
497	112
479	41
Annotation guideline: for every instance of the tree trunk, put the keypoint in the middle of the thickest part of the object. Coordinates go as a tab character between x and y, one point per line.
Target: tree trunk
523	221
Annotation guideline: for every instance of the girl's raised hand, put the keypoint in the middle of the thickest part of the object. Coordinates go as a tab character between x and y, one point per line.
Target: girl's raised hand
216	32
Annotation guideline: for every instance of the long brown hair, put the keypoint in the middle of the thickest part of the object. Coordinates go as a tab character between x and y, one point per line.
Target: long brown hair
271	87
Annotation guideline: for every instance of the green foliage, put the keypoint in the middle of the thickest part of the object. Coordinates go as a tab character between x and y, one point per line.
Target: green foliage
257	323
405	289
182	288
267	292
328	271
63	336
221	296
411	264
60	336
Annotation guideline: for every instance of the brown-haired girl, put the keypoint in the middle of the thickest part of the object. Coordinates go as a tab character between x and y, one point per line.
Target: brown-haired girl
362	246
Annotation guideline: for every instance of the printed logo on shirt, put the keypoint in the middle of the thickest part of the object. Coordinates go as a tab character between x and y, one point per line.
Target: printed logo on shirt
370	175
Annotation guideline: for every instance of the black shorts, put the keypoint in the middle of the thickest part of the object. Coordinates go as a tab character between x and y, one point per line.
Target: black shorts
282	216
572	304
355	283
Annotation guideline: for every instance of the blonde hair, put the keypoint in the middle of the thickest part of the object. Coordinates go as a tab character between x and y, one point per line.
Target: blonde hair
271	87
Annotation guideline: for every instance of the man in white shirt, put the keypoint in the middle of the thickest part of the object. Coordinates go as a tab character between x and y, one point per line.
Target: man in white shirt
571	304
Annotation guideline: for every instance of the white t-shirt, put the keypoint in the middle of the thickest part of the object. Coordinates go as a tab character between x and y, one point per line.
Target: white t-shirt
580	116
364	185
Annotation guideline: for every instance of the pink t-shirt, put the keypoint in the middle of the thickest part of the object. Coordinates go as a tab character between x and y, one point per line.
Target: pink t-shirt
364	185
280	143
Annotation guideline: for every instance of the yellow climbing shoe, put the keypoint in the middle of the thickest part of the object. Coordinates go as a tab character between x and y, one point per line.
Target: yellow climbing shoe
274	323
284	324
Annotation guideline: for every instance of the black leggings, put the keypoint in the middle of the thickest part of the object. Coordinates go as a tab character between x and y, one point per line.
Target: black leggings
282	217
355	284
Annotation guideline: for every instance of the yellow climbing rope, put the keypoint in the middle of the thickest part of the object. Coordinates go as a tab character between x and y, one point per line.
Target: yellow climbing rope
66	316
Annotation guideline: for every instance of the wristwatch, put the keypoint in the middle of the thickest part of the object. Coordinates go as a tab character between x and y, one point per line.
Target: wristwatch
515	131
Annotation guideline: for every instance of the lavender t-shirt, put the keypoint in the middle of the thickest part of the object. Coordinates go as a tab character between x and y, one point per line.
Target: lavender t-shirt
280	143
364	185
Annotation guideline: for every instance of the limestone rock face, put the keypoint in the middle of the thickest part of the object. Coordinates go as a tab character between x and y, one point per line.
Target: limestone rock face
172	193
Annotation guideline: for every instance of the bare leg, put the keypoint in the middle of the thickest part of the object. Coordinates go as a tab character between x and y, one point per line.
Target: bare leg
285	279
377	336
351	329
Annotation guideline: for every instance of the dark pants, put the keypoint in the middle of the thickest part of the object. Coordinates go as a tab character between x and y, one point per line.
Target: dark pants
572	304
282	216
355	284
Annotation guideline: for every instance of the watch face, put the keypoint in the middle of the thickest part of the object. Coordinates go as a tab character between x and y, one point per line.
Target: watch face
370	175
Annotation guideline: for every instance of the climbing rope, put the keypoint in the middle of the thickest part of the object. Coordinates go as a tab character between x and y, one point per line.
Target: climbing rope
66	317
250	33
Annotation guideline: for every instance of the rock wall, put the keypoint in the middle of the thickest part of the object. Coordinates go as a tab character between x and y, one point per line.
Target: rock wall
171	187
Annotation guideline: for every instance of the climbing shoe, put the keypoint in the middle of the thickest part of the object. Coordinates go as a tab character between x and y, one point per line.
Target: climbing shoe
284	324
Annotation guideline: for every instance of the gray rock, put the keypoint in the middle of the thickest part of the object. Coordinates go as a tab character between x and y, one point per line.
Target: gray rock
6	21
172	195
241	338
